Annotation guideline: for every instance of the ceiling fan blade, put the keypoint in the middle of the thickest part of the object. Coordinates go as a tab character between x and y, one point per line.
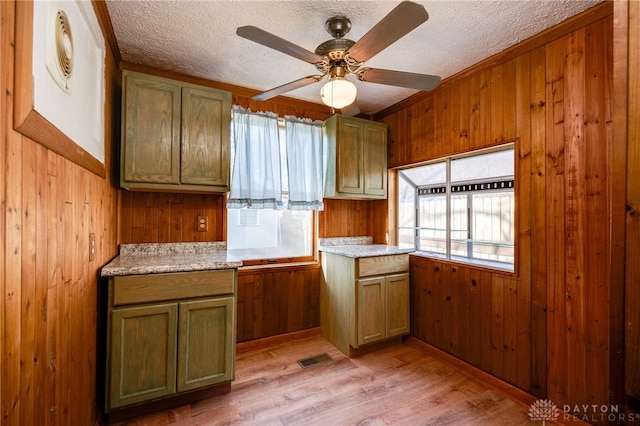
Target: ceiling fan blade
409	80
351	110
399	22
305	81
267	39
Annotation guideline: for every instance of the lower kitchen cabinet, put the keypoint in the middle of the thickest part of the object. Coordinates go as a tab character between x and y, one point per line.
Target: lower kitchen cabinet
203	325
383	309
143	354
168	334
364	300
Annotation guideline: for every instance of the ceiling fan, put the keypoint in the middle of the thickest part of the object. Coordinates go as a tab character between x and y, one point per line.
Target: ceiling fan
339	57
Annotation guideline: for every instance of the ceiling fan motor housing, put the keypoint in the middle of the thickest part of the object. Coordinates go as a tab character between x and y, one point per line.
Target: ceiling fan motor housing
334	49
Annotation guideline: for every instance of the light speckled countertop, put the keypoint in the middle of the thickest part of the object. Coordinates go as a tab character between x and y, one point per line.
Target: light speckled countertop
156	258
357	247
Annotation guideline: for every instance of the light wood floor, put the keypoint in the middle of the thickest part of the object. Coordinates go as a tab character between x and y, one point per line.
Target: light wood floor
406	384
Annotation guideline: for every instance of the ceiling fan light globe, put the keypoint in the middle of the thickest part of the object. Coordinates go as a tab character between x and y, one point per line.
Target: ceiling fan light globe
338	93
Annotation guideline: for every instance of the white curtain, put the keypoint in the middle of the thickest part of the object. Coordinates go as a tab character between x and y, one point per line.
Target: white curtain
304	163
256	180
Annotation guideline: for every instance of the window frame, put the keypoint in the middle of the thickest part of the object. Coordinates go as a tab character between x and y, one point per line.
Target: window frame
313	257
494	265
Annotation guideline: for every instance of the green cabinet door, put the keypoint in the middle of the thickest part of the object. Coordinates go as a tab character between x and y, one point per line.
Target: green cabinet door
371	310
150	130
205	137
143	353
206	345
374	149
397	304
383	307
349	162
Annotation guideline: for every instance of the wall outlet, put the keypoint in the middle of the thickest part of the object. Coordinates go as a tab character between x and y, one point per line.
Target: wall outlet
203	223
92	247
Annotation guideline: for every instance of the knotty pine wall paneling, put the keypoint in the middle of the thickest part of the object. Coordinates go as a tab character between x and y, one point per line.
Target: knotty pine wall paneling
7	20
628	17
163	217
277	301
531	256
550	328
49	309
348	218
477	315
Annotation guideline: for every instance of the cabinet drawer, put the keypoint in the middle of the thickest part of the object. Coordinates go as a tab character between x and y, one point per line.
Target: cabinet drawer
173	286
382	265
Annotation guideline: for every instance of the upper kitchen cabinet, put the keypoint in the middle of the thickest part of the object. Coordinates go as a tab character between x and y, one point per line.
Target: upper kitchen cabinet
175	135
356	154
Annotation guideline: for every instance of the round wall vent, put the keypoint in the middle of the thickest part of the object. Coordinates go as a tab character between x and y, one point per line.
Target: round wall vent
60	49
64	44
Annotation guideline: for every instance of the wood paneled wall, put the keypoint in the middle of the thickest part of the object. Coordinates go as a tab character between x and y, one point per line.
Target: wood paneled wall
552	95
348	218
480	316
48	349
630	17
162	217
277	301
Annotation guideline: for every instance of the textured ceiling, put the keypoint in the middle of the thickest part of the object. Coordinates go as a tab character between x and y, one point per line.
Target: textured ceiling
198	38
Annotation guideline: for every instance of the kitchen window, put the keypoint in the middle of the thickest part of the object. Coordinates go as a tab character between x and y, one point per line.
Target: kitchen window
272	236
461	208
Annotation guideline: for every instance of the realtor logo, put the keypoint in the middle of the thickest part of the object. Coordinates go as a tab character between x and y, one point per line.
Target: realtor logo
543	409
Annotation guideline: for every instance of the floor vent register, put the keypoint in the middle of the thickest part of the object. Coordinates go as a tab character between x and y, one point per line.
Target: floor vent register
314	360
